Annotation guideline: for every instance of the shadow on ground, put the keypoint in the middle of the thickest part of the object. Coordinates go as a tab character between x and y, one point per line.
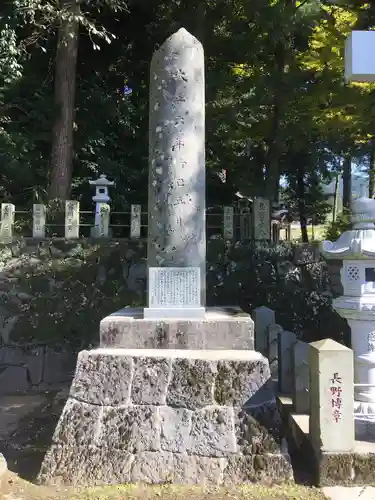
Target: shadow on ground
27	423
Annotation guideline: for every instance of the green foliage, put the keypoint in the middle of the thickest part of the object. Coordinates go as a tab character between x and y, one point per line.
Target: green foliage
274	91
336	228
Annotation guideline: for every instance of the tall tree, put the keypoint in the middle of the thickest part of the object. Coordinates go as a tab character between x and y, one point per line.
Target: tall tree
65	86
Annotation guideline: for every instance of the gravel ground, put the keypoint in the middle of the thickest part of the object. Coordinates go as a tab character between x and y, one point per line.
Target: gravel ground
14	488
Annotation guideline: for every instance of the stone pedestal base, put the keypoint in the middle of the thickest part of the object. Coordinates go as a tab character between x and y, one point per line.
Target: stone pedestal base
169	416
221	328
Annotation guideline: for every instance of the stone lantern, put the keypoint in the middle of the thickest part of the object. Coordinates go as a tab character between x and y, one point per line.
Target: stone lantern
356	247
101	198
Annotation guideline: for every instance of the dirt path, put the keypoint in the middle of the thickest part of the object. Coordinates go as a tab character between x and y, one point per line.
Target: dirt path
14	488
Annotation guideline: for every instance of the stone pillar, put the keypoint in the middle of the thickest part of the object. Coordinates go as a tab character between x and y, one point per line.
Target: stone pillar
272	351
331	424
263	317
285	361
71	219
228	223
301	377
135	222
104	213
7	222
262	219
176	197
39	221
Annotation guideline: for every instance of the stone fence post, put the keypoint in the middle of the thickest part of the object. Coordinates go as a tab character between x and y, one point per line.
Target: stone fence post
272	351
7	222
262	317
228	223
71	219
331	423
301	377
104	219
135	222
39	220
286	344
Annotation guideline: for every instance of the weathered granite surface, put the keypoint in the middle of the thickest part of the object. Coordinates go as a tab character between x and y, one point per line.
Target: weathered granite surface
222	328
177	172
169	416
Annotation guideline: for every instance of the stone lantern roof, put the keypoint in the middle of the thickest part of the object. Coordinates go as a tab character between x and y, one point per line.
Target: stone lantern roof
358	242
102	181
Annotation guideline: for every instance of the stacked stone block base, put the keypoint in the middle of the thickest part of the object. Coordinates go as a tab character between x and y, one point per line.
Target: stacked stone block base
169	416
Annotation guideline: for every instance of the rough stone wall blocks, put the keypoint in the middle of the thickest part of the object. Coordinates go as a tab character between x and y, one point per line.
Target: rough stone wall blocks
168	416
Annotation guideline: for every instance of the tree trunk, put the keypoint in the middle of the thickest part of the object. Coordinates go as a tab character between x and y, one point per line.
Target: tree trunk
65	83
301	205
335	199
273	140
371	172
347	183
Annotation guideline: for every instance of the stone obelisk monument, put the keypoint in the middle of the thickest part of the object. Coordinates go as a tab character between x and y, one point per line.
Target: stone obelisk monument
176	246
175	393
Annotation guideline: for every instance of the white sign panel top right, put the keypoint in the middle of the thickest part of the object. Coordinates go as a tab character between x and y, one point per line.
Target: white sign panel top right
360	57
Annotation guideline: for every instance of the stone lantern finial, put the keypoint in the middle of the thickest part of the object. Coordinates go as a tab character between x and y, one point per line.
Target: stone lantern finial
359	241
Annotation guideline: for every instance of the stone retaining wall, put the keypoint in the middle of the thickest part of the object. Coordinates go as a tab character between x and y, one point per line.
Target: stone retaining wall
35	368
55	293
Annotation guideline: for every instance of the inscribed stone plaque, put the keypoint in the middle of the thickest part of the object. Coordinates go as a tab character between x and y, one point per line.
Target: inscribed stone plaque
262	219
170	287
39	221
135	222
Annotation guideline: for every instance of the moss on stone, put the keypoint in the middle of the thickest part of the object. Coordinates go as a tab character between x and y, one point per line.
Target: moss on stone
364	468
334	468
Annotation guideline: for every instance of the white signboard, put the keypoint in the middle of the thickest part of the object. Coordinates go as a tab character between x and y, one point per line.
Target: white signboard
171	287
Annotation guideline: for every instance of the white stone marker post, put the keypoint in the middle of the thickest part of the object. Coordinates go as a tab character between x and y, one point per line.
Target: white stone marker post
135	222
263	317
7	221
71	219
357	305
228	223
262	219
103	229
331	425
39	221
176	251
